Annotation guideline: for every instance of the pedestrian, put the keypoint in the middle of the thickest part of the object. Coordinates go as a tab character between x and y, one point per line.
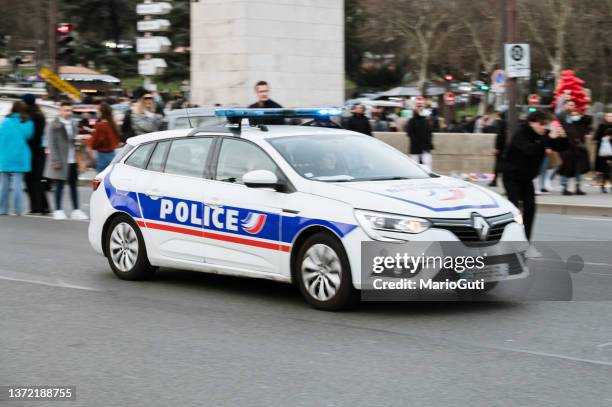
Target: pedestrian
15	156
33	179
480	123
262	91
105	137
141	118
500	145
61	164
467	124
358	121
574	160
601	163
523	160
420	133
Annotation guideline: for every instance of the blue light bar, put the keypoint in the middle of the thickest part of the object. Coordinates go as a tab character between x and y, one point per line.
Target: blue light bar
279	113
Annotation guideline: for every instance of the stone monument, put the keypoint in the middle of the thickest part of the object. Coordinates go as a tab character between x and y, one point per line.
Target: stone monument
297	46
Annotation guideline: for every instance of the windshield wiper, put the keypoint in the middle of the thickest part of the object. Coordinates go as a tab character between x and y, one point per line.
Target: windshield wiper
396	178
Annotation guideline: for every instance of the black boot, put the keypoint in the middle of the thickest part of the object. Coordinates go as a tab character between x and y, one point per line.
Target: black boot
603	189
579	191
566	191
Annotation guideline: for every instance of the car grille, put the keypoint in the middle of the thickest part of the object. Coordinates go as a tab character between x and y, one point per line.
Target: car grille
463	229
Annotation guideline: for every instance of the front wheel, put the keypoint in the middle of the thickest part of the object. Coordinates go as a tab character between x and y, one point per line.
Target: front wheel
323	273
127	254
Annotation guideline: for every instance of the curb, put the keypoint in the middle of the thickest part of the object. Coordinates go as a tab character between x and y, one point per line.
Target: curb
573	209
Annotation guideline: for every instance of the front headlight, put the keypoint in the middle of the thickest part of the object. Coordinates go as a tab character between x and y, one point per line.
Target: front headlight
518	218
375	224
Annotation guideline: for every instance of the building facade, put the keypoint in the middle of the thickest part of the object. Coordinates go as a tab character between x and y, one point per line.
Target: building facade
297	46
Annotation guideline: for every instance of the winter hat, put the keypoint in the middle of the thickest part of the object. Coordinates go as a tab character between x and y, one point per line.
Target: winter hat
29	99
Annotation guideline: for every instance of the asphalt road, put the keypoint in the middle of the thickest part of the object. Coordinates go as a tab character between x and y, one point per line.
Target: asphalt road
192	339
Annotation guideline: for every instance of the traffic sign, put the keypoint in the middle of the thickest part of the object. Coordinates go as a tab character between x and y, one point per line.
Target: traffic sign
152	45
449	98
58	83
153	66
153	25
533	99
517	60
153	9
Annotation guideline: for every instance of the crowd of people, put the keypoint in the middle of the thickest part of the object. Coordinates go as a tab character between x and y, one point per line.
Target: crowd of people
41	155
38	154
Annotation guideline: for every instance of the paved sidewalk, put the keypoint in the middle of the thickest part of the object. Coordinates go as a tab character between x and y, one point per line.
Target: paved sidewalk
595	203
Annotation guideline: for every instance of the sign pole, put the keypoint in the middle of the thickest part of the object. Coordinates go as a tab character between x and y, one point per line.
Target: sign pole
511	31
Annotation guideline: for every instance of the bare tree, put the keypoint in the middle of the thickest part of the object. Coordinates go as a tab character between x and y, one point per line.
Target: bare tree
423	27
547	22
483	26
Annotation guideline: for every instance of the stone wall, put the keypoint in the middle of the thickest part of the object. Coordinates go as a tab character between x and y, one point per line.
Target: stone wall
464	152
460	152
295	45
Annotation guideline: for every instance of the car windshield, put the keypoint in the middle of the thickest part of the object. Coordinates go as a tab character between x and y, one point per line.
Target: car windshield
345	158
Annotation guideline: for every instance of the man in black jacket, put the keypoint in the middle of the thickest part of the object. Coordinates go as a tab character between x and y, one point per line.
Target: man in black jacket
36	189
262	90
523	159
358	121
420	132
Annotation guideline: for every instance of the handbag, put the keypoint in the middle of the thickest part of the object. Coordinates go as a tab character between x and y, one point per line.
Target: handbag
605	149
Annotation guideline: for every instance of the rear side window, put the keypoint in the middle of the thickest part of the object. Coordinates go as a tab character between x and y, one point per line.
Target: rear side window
156	163
188	156
122	153
139	157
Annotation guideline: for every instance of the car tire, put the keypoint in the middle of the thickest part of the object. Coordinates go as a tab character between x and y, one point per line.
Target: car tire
323	273
127	254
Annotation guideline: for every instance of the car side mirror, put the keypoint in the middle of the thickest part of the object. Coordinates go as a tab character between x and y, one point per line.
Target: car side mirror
262	179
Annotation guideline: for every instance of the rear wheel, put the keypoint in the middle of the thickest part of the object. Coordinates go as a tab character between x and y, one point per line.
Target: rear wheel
323	273
127	254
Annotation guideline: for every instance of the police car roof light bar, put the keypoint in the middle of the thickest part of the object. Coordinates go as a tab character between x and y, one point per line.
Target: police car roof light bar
235	117
279	113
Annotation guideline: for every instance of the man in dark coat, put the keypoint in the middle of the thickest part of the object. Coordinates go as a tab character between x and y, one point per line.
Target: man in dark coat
262	90
601	163
500	145
575	160
33	179
523	159
358	121
420	133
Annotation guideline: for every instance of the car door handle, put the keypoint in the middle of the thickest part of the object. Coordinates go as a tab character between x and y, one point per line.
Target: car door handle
214	203
154	194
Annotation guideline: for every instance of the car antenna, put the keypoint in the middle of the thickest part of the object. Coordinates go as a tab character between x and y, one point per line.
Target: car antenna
188	118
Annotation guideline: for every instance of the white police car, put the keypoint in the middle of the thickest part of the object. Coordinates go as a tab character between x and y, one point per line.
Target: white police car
288	203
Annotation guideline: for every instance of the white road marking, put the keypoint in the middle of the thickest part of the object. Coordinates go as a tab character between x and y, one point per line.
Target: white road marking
60	284
554	355
591	219
604	345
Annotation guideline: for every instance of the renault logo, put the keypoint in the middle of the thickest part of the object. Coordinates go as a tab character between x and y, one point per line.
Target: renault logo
481	226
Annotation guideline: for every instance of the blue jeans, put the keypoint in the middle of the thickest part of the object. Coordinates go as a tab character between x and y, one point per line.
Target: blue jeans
565	180
103	159
11	181
543	170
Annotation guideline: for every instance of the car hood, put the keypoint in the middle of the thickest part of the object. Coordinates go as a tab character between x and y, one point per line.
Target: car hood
441	197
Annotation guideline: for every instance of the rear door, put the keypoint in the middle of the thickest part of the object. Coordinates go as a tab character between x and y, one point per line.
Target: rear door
172	203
